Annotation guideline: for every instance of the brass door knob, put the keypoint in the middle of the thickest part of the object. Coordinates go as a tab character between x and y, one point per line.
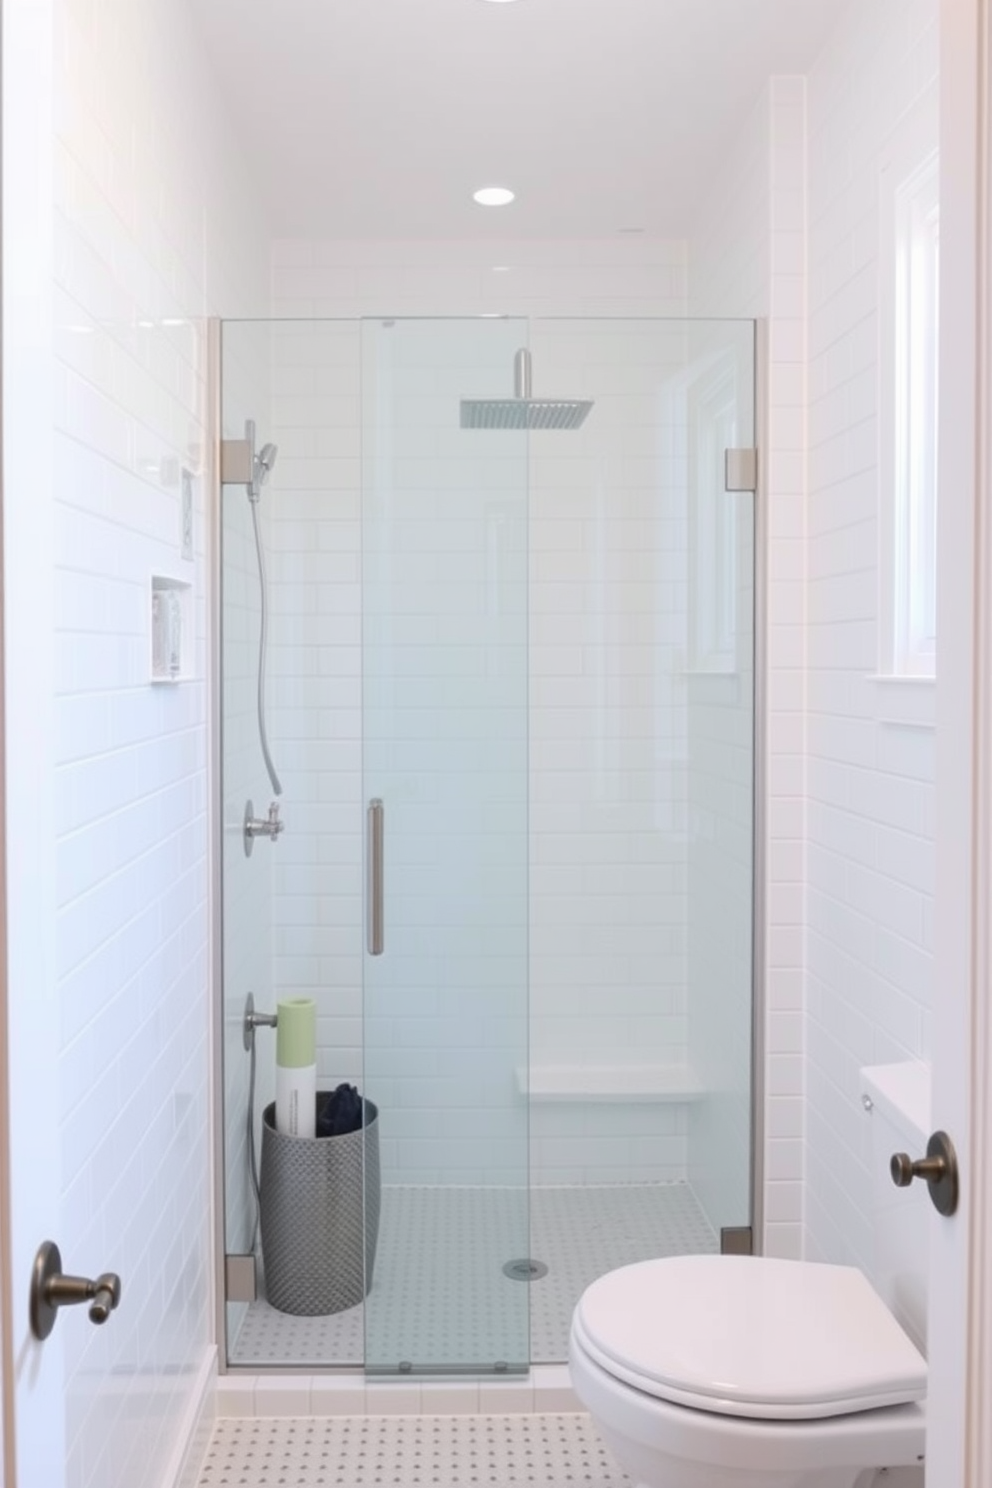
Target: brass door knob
939	1168
50	1290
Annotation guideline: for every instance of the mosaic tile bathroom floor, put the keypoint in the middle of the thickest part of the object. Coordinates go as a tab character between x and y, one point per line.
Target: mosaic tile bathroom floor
439	1283
410	1452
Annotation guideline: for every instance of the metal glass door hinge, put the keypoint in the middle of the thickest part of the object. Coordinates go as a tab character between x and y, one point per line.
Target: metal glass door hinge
741	470
737	1240
239	1278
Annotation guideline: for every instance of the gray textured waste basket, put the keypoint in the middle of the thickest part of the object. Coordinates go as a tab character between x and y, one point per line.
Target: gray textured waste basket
320	1220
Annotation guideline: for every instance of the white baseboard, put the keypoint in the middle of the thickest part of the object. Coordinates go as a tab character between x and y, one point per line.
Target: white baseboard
547	1389
183	1467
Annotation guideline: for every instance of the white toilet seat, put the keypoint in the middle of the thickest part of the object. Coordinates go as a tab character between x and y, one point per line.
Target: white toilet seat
751	1337
652	1436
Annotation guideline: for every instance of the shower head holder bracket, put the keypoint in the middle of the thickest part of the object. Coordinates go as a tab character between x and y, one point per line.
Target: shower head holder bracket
242	465
253	1020
237	458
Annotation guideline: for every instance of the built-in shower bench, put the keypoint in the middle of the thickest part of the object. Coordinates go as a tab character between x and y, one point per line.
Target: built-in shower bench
620	1084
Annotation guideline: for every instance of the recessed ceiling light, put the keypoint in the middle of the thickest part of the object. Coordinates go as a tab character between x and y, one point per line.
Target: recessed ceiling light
493	196
501	268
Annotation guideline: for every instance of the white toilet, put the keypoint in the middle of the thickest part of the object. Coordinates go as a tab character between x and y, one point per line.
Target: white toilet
747	1372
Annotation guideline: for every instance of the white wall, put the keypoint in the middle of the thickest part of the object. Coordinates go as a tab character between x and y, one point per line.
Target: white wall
870	782
155	228
747	257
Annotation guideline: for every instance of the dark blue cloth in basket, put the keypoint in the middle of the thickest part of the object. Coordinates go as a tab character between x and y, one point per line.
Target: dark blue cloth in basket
339	1112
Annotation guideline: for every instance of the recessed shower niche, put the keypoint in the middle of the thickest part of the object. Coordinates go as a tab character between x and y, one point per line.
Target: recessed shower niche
530	637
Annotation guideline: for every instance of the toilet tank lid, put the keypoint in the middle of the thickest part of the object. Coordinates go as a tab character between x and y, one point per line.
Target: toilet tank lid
902	1094
750	1336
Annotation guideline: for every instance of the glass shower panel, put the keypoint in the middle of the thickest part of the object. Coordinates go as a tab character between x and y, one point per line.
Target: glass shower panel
641	655
720	770
247	913
445	742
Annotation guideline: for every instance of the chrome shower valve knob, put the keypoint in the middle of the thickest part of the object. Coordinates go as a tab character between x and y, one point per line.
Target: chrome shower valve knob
254	826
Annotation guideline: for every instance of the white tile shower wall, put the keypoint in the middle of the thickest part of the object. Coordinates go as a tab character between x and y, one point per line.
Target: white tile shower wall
319	905
727	261
155	227
870	785
625	276
608	743
747	257
315	689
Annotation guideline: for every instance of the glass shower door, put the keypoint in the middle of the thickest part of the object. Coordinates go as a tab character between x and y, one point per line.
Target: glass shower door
720	773
444	577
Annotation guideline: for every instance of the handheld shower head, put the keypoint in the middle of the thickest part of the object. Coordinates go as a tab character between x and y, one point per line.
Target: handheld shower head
262	464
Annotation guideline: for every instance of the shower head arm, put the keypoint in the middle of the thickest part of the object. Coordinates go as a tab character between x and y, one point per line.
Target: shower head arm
522	377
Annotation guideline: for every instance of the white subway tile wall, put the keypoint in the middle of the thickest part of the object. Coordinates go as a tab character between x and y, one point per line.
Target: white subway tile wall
785	704
747	256
870	783
327	278
608	740
315	692
154	229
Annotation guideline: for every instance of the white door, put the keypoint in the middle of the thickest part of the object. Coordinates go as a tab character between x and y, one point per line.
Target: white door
34	1373
959	1427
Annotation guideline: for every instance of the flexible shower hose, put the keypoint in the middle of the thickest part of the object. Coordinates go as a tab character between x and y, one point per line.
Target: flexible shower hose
262	647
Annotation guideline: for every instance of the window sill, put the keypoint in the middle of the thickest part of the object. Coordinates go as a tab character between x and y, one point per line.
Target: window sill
905	701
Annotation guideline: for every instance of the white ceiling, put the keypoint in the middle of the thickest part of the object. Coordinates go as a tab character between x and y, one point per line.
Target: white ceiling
378	118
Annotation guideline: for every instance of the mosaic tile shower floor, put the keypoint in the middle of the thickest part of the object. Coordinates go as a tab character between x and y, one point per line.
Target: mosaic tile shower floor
439	1284
410	1452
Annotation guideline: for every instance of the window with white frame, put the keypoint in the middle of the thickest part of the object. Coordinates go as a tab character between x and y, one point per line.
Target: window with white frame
909	464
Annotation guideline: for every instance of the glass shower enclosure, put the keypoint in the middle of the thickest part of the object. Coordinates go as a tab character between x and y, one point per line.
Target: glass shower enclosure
509	694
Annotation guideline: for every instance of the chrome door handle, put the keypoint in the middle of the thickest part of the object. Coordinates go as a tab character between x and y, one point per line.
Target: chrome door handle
939	1168
50	1290
375	851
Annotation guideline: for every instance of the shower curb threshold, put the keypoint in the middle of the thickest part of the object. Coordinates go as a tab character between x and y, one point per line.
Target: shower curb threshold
547	1390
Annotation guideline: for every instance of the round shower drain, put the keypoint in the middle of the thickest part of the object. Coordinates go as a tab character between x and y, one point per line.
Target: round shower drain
525	1270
